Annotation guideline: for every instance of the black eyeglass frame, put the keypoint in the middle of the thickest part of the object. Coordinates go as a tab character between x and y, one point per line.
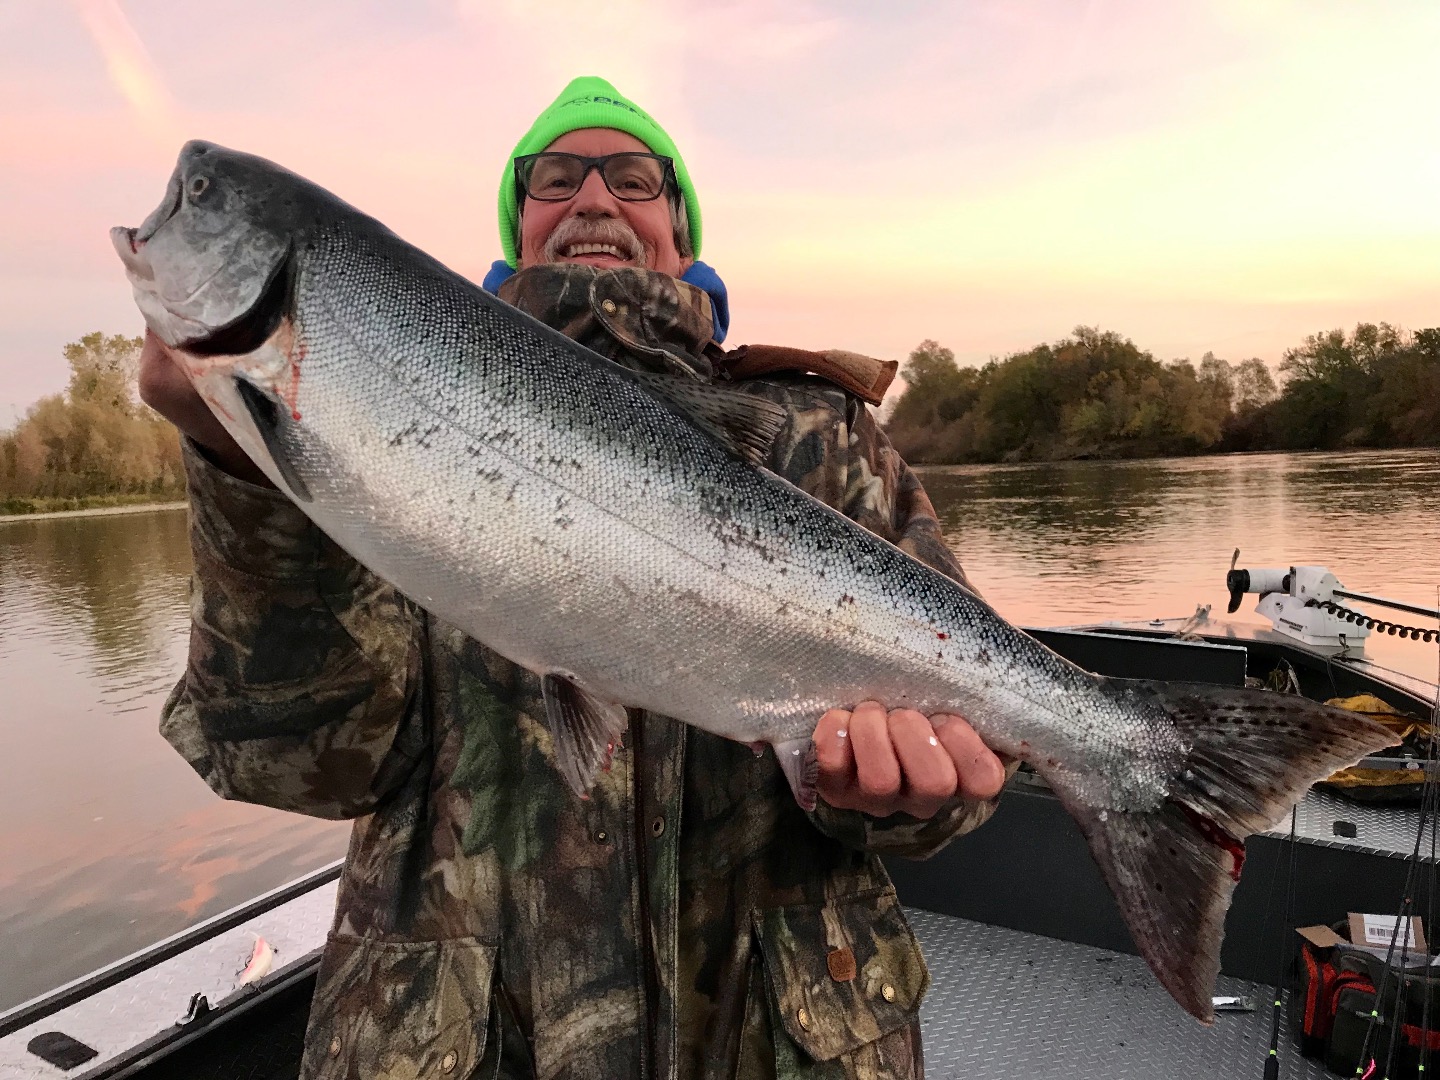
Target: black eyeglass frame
668	182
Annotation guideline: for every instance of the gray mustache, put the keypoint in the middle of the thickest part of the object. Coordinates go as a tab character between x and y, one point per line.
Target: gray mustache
594	231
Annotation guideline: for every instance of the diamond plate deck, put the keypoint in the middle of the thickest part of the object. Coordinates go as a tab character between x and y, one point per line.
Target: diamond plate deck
1006	1005
1388	830
1003	1005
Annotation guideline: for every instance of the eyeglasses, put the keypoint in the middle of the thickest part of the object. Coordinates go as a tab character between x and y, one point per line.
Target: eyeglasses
631	177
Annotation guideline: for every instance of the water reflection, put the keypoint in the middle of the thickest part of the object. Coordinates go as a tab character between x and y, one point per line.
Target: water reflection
1078	541
110	588
110	841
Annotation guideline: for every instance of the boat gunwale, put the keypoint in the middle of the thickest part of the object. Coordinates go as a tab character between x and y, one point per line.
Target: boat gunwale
77	990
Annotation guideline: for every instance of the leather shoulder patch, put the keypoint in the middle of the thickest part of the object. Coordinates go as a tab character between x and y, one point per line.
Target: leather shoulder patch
866	378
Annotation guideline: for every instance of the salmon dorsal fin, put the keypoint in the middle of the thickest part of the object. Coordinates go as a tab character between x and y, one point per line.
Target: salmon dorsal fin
584	728
744	424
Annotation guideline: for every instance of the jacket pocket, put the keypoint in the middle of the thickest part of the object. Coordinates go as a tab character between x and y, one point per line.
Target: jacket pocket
387	1010
843	975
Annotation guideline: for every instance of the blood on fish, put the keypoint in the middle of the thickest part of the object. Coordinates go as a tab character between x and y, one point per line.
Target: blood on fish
218	407
1217	836
294	399
293	347
942	635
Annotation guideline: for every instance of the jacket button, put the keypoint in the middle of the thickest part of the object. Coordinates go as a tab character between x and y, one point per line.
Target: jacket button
887	992
601	836
803	1017
335	1046
447	1063
608	306
657	826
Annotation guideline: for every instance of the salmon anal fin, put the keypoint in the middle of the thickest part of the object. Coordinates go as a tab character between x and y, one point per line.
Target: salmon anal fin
801	766
585	730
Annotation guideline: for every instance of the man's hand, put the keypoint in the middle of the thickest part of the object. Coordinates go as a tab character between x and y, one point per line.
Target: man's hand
882	763
166	388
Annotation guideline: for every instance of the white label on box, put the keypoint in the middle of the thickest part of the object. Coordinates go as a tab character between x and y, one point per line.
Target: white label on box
1379	929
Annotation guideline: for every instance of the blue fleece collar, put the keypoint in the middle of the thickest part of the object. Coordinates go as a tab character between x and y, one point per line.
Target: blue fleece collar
700	274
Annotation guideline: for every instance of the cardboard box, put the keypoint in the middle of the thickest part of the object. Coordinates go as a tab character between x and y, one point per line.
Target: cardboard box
1373	934
1378	931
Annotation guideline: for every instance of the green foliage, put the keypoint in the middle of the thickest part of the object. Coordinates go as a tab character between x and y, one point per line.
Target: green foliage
95	439
1374	387
1095	394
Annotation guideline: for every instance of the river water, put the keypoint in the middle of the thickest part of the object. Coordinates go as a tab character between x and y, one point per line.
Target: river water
110	842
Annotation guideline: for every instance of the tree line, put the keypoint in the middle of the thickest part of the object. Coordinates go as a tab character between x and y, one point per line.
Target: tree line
94	442
1095	394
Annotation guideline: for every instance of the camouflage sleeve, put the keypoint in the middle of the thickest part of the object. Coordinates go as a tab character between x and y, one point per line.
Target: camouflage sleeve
303	665
884	495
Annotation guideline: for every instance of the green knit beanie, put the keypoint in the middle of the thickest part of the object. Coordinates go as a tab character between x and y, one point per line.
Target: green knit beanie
590	102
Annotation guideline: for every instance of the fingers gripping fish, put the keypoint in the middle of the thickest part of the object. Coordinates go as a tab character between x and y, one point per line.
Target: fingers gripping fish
518	486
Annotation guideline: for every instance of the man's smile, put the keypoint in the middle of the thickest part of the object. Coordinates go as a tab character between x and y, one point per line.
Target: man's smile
596	254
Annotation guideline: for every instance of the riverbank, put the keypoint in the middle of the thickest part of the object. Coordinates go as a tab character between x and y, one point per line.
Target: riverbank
103	510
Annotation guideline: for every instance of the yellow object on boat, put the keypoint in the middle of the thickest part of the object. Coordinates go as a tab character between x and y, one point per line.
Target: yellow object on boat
1406	728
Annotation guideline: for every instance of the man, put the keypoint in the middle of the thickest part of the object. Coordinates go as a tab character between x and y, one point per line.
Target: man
688	919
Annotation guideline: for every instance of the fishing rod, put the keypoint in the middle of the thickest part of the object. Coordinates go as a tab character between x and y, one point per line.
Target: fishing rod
1367	1066
1301	601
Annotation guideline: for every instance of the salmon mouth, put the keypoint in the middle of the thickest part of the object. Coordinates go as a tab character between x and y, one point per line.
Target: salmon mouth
130	248
129	243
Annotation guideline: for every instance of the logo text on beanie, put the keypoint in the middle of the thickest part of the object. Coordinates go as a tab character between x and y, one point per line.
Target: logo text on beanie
601	100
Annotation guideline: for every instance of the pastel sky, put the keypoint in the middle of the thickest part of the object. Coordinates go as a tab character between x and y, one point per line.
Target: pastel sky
1224	175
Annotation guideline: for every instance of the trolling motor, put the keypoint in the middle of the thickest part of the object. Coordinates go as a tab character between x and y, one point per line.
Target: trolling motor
1301	602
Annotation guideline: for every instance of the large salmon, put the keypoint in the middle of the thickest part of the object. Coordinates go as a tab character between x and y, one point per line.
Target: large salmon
584	520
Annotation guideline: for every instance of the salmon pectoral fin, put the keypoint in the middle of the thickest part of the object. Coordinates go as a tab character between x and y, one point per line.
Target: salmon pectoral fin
1252	755
584	729
801	766
267	417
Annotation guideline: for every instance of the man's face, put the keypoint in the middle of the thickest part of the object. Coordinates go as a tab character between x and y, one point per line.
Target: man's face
640	232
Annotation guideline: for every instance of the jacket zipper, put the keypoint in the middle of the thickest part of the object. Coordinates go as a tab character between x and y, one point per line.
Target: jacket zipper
642	864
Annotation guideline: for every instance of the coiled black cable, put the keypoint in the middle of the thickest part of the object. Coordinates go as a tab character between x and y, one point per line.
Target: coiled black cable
1380	626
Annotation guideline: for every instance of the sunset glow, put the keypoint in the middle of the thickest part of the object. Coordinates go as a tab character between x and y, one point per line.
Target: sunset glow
130	68
1214	175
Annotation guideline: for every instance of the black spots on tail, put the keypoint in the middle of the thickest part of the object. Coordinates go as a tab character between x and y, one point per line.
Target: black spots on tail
1254	753
1248	757
1172	872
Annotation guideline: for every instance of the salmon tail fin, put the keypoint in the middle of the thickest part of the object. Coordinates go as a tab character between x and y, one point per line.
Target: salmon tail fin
1251	756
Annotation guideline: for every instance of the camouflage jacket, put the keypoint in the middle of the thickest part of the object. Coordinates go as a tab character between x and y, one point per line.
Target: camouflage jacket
687	920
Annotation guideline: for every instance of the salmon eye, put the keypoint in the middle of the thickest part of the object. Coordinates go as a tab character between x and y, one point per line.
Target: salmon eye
198	186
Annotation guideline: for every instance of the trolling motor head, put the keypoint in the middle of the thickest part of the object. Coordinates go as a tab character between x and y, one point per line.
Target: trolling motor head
1299	601
1240	582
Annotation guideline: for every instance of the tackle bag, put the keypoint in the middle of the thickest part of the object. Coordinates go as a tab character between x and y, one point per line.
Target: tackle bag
1334	997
